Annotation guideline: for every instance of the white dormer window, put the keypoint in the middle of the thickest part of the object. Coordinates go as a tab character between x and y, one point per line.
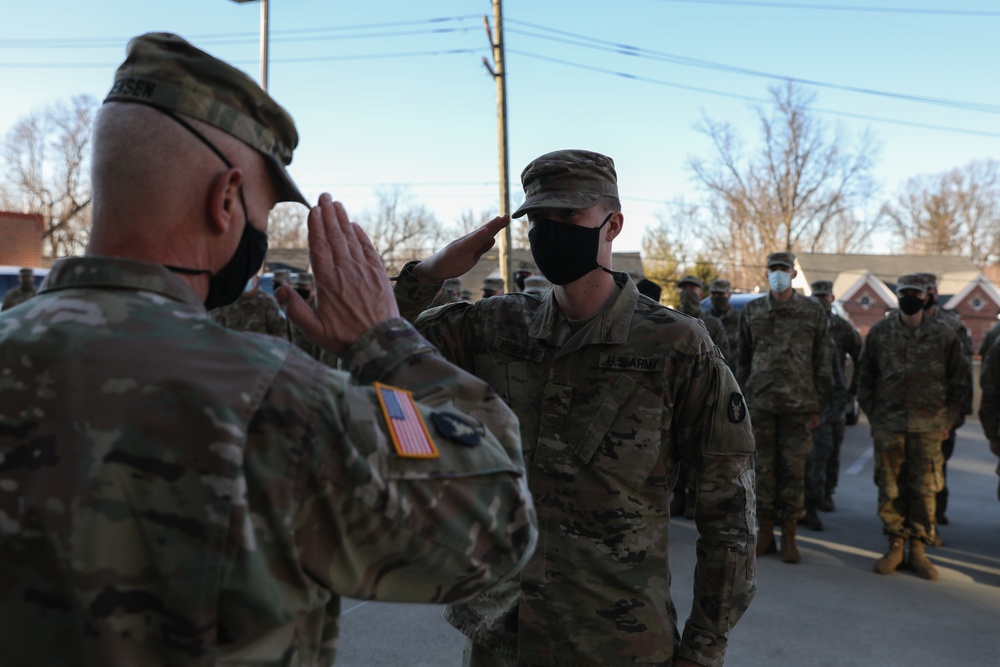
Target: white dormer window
866	301
977	303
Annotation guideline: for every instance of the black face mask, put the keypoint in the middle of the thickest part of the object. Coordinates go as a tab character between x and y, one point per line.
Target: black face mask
931	300
565	252
720	303
305	293
910	304
227	285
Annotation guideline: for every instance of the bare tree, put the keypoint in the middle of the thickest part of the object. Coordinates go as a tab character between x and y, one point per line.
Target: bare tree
287	226
956	212
801	190
400	229
45	170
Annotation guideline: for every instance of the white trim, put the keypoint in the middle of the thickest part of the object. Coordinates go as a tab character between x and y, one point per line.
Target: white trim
879	287
980	280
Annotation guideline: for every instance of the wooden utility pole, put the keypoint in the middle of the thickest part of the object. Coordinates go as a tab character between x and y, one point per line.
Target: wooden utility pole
499	72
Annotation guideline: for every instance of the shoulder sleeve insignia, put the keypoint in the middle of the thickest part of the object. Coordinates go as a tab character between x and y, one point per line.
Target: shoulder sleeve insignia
459	428
737	408
406	426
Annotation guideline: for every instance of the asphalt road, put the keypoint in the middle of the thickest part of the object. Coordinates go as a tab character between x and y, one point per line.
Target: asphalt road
829	610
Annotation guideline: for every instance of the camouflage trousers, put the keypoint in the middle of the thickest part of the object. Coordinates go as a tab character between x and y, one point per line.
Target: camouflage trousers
783	444
818	462
908	475
833	463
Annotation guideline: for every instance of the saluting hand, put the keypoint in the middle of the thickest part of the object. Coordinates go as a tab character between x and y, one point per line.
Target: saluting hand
459	256
353	291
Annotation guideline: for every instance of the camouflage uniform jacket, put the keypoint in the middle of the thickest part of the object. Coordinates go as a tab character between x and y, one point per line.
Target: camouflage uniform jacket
988	340
951	320
846	341
15	296
989	407
717	330
604	411
730	318
177	493
912	378
257	312
784	349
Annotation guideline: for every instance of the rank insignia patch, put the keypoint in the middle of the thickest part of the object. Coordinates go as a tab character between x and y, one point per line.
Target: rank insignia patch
737	409
461	429
406	427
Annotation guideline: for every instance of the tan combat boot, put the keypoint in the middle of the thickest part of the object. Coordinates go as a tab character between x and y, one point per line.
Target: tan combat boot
789	552
893	558
765	537
918	561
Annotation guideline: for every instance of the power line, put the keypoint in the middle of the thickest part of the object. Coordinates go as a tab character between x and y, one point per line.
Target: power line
843	8
585	41
719	93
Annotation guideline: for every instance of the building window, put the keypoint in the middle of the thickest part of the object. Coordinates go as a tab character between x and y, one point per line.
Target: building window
977	303
866	301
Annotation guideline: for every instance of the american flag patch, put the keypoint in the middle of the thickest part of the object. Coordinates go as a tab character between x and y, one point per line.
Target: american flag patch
409	434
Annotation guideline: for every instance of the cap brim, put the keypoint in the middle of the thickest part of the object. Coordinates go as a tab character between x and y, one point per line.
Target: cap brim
919	288
286	188
571	200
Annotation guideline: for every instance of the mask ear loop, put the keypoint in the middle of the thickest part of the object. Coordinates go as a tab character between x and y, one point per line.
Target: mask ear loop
605	269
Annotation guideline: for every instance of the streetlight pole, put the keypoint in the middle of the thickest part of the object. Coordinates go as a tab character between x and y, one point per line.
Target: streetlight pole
264	17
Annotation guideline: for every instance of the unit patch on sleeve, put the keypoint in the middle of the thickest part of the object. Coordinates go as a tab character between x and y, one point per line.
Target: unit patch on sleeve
737	409
406	427
459	428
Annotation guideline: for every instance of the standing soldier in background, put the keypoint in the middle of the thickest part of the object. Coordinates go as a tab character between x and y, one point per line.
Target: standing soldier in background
784	368
305	287
24	290
913	374
492	287
719	292
988	339
846	343
611	389
178	493
282	277
818	462
255	310
536	285
989	407
524	270
684	500
936	311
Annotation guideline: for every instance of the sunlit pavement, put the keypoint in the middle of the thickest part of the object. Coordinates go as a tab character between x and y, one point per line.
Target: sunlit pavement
830	609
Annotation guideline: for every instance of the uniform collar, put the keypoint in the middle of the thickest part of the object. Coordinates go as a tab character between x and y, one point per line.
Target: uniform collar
608	327
116	273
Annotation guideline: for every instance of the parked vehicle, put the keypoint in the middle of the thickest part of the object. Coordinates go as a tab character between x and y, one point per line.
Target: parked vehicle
10	276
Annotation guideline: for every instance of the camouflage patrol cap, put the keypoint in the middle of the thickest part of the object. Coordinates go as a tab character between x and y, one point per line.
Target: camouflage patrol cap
164	71
305	280
784	258
453	282
493	284
27	272
930	280
720	285
914	281
526	267
536	283
691	280
573	179
822	287
282	276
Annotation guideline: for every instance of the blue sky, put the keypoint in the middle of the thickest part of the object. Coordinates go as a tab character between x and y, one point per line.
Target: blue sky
394	92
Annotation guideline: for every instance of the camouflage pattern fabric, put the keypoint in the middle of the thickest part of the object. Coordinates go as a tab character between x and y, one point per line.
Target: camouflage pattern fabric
847	343
988	339
783	443
730	319
605	410
989	406
15	296
257	312
912	379
783	355
908	475
823	445
718	333
951	320
177	493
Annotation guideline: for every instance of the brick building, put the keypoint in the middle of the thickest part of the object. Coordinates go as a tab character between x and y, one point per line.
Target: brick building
20	239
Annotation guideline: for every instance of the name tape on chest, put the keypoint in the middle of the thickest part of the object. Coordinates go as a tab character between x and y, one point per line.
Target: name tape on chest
517	349
623	363
406	427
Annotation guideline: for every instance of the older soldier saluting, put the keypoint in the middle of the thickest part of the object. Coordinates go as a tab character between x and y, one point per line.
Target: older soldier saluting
175	492
611	389
912	386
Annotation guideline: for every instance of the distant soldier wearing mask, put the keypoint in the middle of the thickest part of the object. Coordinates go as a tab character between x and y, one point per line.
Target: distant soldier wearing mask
524	270
24	290
536	285
648	288
255	310
912	386
784	368
282	277
492	287
935	311
719	291
846	343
